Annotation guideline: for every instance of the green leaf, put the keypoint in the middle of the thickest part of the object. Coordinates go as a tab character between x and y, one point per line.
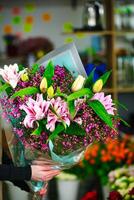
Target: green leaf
80	93
35	68
59	128
37	131
72	110
118	117
124	122
89	80
49	72
75	129
59	93
25	91
4	87
101	112
9	90
41	127
120	104
105	77
21	67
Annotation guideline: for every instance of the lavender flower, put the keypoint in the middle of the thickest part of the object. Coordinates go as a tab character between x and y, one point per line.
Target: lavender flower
35	110
58	113
106	101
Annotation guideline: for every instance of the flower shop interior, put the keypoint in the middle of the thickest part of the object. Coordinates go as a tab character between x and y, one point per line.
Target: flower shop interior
103	33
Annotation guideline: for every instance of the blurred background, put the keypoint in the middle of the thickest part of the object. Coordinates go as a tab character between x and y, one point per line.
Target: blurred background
103	32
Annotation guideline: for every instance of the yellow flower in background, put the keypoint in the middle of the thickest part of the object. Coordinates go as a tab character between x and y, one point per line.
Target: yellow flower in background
24	77
78	83
97	87
40	53
50	92
43	85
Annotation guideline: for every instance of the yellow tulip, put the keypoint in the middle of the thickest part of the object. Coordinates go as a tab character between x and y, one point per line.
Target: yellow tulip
50	92
24	77
43	85
97	87
78	83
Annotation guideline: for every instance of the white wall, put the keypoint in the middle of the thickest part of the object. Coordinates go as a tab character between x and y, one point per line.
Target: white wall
61	12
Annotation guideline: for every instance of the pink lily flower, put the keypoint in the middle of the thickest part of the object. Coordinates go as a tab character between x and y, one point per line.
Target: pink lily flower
11	74
106	101
35	110
58	113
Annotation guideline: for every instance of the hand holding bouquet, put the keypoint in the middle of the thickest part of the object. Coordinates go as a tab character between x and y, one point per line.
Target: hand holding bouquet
54	114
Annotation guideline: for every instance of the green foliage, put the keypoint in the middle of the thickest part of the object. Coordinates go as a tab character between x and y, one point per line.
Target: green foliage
101	112
72	110
105	77
41	127
4	87
120	104
37	131
49	73
59	93
89	80
21	67
80	93
59	128
75	129
25	91
35	68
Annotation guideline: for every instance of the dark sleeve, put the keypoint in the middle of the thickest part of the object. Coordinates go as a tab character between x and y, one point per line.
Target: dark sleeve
10	172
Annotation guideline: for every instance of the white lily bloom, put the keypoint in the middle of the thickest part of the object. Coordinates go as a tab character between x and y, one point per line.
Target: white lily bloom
11	74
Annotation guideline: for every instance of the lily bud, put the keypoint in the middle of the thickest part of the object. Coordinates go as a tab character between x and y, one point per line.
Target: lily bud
50	92
24	77
43	85
97	87
78	83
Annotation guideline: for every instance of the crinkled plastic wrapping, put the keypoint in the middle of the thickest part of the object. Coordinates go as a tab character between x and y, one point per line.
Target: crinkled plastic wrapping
68	56
64	56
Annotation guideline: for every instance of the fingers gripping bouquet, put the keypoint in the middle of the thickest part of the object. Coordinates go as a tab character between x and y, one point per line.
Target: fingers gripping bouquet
55	111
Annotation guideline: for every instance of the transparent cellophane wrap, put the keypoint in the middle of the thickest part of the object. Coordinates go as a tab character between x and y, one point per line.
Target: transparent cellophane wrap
24	155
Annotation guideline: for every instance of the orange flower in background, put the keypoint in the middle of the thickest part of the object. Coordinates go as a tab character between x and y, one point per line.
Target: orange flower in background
46	17
91	152
16	10
29	19
7	29
101	158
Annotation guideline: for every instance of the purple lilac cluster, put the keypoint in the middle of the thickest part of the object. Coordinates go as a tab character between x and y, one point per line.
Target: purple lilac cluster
38	142
35	79
6	105
10	108
95	128
65	144
63	79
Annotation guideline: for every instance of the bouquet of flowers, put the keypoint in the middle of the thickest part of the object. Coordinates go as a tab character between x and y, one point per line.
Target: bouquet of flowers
121	181
55	114
101	158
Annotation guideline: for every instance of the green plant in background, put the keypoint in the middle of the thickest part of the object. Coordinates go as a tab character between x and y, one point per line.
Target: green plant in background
101	158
